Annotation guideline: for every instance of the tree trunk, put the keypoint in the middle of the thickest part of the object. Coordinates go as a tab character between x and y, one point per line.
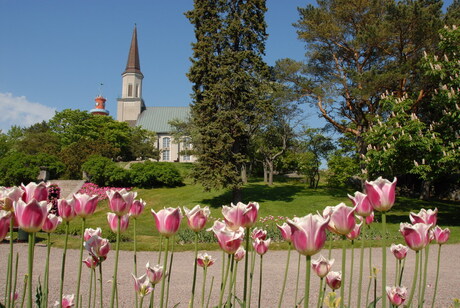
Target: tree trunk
264	164
237	195
426	189
244	176
270	173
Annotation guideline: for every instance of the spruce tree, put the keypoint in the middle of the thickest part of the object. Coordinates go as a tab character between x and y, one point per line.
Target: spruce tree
229	82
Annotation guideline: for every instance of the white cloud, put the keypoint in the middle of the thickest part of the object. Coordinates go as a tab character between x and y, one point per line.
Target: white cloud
17	110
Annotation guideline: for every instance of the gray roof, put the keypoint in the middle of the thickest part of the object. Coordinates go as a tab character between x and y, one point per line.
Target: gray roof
156	119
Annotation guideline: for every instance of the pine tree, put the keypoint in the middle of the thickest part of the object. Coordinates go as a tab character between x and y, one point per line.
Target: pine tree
229	91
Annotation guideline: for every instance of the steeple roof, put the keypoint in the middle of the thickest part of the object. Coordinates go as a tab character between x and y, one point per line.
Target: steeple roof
133	65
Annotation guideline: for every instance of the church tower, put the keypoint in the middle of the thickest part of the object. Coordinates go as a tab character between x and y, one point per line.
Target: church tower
131	104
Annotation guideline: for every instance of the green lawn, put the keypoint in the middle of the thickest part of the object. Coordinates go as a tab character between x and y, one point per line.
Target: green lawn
285	199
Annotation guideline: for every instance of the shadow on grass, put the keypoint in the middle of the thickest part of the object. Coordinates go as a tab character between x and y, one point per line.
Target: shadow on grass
260	192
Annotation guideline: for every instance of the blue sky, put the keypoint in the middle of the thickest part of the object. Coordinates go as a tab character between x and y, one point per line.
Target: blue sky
54	54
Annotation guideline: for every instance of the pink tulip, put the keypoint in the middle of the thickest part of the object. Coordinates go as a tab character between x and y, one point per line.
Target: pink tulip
112	219
66	209
381	193
261	246
424	217
229	240
322	266
342	219
8	196
142	285
137	208
334	280
197	217
154	274
240	215
258	234
168	220
51	223
417	236
239	254
353	235
31	216
396	295
4	223
399	251
204	260
67	301
98	247
361	202
369	219
89	232
285	230
308	233
85	205
120	201
441	236
90	262
35	191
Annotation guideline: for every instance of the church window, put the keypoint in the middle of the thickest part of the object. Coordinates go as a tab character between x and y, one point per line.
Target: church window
166	142
130	90
137	91
165	155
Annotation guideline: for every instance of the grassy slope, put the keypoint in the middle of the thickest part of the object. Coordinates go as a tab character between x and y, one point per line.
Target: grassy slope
283	199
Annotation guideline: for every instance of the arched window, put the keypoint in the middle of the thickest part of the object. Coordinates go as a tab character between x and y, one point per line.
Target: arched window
137	90
166	142
130	90
165	155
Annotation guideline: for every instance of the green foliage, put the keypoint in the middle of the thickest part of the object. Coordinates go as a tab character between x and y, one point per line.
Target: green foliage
155	174
341	169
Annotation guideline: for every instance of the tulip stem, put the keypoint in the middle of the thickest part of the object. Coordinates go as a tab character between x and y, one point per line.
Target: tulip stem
420	276
234	283
320	293
210	292
297	282
10	265
330	248
170	271
135	257
30	270
77	295
361	264
195	265
260	279
90	287
351	271
414	281
64	253
24	290
165	263
229	298
401	272
161	249
115	271
370	276
95	287
251	276
384	258
306	299
15	277
437	276
203	288
47	266
142	301
344	258
221	296
396	271
425	269
285	276
245	284
100	284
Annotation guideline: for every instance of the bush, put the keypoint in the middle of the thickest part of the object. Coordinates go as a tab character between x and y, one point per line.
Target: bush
104	172
153	174
340	170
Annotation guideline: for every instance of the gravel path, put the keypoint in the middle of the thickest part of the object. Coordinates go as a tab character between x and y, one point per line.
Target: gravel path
274	265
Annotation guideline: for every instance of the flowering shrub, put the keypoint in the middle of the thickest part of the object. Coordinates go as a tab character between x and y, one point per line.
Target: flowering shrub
101	192
54	193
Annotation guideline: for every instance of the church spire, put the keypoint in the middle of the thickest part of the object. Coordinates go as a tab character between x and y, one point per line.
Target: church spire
133	65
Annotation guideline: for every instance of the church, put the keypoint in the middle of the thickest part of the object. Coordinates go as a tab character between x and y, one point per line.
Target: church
131	109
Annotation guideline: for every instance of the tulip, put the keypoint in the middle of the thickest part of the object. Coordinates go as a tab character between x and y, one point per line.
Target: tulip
142	286
417	236
197	217
137	208
31	216
168	220
334	280
85	205
309	233
51	223
322	266
91	262
381	193
362	203
113	221
240	215
425	217
397	295
67	301
5	218
39	192
240	254
8	196
154	274
399	251
353	235
66	209
89	232
369	219
342	219
441	236
97	247
205	260
229	240
120	201
261	246
258	234
285	230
